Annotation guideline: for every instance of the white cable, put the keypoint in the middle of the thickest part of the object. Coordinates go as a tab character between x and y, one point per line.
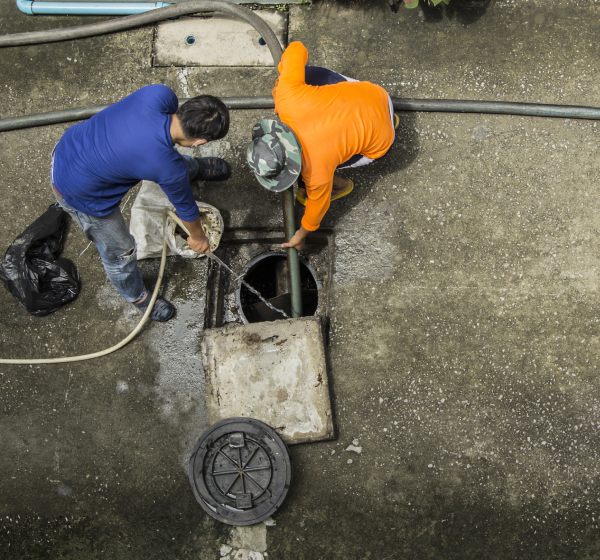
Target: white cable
169	216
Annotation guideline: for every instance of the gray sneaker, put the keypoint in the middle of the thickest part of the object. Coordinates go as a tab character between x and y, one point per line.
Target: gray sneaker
163	310
212	169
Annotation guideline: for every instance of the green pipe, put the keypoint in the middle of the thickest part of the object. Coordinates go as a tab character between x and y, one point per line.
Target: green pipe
287	204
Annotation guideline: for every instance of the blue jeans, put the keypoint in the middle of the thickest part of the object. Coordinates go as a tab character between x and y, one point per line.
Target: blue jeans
319	76
116	245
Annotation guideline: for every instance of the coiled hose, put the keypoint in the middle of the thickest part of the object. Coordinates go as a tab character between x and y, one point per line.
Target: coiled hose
170	217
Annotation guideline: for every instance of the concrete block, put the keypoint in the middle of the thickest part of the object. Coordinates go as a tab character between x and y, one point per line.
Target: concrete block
273	371
216	41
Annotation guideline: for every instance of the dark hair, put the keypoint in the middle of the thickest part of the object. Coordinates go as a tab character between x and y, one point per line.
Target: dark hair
204	116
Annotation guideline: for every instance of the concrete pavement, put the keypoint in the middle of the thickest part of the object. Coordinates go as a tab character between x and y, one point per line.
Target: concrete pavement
464	329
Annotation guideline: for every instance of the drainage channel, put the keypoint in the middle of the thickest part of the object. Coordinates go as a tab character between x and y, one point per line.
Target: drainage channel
262	265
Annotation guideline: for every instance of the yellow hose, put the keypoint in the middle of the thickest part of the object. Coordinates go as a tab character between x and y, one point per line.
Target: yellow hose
169	215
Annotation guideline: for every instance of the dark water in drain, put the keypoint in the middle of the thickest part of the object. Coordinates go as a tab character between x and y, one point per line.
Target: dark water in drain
263	276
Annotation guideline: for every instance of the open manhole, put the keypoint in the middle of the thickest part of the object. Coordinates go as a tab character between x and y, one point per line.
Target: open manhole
240	250
268	274
240	471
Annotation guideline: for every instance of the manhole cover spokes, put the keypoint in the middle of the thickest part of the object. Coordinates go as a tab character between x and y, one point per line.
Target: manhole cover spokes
240	471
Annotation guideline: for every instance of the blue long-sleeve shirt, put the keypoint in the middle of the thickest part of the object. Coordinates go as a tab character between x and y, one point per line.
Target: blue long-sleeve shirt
97	161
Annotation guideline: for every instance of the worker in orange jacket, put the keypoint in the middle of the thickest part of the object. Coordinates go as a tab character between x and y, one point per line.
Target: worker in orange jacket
326	121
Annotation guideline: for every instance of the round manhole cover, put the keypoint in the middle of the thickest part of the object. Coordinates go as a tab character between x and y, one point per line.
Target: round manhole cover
240	471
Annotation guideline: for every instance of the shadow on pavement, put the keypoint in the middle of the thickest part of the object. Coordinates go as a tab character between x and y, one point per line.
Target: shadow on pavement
403	152
465	11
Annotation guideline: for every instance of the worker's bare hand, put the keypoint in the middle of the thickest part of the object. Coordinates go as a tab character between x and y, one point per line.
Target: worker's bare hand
297	242
199	244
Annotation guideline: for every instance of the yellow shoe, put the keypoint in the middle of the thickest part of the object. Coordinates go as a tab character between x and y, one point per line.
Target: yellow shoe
301	196
301	193
396	121
345	191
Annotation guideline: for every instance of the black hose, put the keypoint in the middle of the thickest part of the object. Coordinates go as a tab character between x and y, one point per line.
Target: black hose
228	7
81	113
427	105
497	108
53	117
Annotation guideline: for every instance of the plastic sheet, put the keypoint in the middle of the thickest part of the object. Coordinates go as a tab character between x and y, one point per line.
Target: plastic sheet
33	270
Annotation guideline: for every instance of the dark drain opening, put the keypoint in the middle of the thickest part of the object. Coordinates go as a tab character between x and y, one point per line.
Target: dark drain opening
268	274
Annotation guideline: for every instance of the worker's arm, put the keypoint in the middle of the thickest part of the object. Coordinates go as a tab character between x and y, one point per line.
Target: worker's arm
197	239
318	199
292	63
190	216
174	181
297	240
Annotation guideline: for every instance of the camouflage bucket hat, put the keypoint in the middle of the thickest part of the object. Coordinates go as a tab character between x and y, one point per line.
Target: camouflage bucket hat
274	155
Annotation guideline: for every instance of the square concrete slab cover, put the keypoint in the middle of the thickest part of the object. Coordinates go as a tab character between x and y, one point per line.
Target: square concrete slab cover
216	41
275	372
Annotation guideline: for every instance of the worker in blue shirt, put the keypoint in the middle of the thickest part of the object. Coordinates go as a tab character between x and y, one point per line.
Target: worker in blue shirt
97	161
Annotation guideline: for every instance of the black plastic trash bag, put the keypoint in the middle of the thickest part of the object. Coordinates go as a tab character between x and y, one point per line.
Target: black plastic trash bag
33	270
